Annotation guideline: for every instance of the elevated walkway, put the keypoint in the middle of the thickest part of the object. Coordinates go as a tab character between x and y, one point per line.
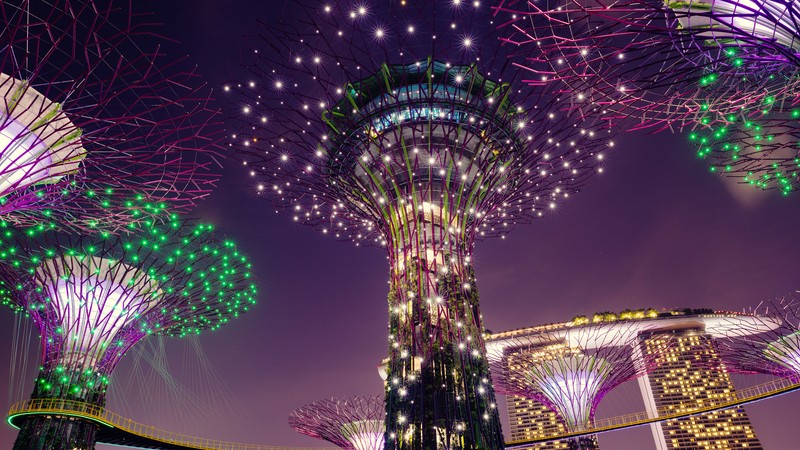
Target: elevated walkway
118	430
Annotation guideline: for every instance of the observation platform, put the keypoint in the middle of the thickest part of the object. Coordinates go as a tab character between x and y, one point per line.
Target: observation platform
117	430
718	325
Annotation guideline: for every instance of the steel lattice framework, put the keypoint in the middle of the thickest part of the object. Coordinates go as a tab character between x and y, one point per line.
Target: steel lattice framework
355	423
93	296
774	352
709	66
571	371
90	101
403	126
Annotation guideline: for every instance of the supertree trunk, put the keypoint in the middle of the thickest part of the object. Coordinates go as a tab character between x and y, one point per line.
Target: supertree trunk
62	384
94	296
584	443
56	433
438	385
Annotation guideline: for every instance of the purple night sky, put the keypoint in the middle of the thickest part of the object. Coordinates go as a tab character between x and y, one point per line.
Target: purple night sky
655	230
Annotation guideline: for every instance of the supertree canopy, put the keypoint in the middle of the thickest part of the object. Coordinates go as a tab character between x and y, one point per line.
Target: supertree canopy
571	370
90	101
355	423
92	296
769	345
759	144
762	29
404	126
689	65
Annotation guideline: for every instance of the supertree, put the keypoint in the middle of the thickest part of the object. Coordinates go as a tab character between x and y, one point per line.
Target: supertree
94	295
709	67
91	102
769	344
757	144
402	126
355	423
571	370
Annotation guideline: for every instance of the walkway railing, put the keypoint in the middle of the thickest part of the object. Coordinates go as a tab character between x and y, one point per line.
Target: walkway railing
110	419
739	397
113	420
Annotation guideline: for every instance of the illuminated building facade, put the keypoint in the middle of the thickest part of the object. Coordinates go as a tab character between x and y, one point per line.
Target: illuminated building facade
530	419
686	377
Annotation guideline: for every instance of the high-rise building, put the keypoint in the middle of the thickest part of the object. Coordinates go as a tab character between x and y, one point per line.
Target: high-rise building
685	378
530	419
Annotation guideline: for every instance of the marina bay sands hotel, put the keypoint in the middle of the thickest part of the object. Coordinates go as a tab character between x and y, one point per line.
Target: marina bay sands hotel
687	375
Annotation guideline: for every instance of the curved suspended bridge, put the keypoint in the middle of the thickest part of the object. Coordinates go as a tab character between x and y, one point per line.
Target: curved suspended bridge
118	430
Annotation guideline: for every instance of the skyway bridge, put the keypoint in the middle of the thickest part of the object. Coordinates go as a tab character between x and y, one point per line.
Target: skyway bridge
121	431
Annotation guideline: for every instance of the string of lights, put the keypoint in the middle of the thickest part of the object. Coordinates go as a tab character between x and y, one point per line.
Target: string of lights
571	370
91	101
355	423
406	127
92	296
713	69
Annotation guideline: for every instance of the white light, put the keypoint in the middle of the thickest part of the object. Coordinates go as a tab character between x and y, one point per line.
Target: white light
39	142
94	301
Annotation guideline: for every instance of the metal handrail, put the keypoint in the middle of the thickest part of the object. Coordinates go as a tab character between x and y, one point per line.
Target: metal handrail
110	419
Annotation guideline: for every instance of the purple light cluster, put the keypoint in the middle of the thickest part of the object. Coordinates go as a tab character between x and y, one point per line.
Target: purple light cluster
91	102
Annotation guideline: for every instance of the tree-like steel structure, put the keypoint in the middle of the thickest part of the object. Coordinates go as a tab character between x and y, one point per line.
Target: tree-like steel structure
769	345
355	423
403	126
92	296
571	370
712	67
89	101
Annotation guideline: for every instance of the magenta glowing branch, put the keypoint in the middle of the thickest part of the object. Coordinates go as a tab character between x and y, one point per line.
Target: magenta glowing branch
639	58
88	104
572	369
768	26
95	301
94	296
391	126
355	423
723	71
770	343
